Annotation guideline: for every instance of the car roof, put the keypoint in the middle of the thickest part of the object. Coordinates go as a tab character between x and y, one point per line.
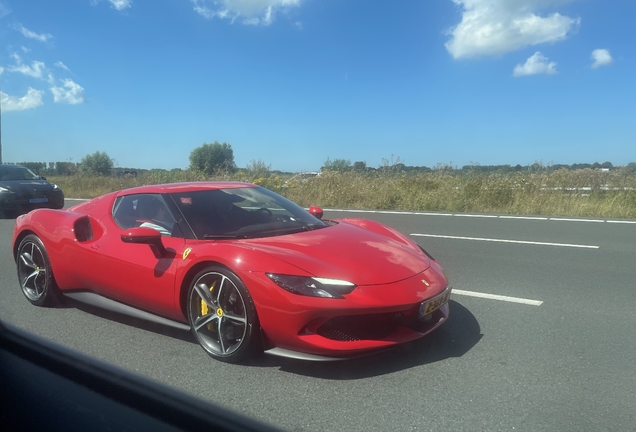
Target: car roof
185	187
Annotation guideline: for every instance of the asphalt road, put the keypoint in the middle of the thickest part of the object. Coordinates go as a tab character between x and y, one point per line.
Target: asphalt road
508	363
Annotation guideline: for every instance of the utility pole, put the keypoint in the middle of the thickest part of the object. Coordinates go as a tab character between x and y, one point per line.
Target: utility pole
0	132
0	124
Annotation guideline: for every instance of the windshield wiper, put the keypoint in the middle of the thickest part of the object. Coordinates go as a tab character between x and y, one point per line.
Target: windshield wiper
312	227
222	236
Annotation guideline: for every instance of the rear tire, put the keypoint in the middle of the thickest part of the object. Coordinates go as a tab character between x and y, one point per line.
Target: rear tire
222	315
35	274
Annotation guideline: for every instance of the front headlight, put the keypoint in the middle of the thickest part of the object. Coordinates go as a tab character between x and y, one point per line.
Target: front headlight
55	186
312	286
3	190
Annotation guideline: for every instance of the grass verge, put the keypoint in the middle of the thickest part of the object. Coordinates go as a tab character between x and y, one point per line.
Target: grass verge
579	193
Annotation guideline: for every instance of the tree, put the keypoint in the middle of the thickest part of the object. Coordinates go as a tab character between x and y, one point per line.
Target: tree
98	163
210	158
360	166
65	168
339	165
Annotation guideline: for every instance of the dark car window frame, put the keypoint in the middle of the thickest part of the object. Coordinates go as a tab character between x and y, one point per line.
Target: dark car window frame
180	229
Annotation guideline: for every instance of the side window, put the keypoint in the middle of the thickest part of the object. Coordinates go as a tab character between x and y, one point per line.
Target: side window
143	210
125	211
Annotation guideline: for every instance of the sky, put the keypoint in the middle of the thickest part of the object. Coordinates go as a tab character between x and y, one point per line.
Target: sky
294	82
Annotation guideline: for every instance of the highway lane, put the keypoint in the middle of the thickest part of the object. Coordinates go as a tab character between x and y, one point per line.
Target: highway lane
567	364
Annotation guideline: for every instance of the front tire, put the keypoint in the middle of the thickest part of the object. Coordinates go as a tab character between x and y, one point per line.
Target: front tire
35	274
222	315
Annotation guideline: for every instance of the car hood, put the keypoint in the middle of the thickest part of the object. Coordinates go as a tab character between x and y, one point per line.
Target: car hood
27	186
347	252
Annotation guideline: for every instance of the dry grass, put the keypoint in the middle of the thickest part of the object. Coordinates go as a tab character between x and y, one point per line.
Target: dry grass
90	187
528	194
547	193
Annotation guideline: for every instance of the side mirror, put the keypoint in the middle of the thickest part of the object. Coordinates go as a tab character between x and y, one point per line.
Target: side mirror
315	211
143	235
42	177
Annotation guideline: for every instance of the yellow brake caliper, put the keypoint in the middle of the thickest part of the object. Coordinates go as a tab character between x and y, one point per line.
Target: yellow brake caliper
204	306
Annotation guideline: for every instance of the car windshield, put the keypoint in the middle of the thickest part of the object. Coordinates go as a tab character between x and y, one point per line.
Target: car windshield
246	212
11	173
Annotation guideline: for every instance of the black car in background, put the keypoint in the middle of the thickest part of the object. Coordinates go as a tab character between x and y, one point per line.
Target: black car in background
21	191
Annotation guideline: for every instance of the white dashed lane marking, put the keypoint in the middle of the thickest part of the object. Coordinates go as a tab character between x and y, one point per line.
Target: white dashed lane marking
498	297
507	241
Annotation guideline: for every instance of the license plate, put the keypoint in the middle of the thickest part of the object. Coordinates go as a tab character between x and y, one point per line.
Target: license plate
435	303
38	200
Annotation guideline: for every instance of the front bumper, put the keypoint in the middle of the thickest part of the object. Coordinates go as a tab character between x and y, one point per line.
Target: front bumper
371	318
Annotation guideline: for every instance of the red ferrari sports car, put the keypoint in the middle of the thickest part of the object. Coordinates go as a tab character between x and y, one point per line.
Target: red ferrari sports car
242	267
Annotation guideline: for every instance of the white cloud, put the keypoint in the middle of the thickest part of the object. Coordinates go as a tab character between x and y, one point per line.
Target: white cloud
33	35
496	27
536	64
115	4
1	70
252	21
601	57
32	99
203	10
25	49
36	70
61	66
4	11
73	93
251	12
120	4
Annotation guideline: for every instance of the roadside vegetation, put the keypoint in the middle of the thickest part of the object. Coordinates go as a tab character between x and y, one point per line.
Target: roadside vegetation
584	190
580	193
584	193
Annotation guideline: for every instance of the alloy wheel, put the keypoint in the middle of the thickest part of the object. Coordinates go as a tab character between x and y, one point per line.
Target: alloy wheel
218	314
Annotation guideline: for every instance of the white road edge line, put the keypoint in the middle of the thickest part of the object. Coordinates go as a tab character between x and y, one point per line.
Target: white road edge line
475	215
576	220
507	241
524	217
404	212
498	297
